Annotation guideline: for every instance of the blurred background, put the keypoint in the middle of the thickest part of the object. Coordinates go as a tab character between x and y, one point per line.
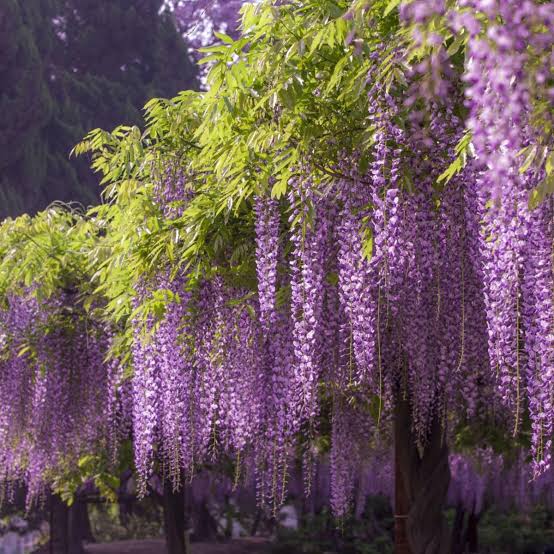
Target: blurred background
68	66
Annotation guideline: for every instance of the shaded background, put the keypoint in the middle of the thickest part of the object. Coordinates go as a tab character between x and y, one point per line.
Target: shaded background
66	67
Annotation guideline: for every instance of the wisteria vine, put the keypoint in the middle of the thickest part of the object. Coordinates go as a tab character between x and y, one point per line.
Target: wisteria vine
372	283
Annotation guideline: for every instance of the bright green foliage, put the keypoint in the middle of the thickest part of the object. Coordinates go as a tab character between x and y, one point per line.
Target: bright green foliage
291	93
47	252
96	468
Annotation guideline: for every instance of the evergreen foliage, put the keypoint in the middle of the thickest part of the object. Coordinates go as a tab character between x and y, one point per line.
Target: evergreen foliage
67	67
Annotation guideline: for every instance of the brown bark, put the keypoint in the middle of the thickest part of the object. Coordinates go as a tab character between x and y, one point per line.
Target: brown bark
176	520
205	526
458	535
59	524
422	487
78	526
401	504
472	533
67	526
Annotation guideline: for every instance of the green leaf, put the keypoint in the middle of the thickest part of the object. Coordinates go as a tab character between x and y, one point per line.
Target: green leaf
363	164
375	408
86	461
317	40
279	188
457	43
208	59
392	5
544	189
530	152
333	278
224	37
367	243
287	97
338	73
110	480
549	166
462	149
23	350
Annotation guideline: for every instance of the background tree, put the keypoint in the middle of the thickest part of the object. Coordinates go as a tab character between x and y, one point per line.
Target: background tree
198	19
25	99
70	66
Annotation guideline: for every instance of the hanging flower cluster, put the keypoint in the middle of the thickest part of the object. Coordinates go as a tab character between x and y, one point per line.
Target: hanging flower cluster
387	287
371	285
509	49
267	256
485	478
56	390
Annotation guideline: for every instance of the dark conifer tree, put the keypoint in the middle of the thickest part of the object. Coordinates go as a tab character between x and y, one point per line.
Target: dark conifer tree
25	101
70	66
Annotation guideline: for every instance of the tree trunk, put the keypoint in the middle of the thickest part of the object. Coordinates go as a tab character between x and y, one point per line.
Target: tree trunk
458	535
205	526
78	526
401	503
472	533
59	524
87	534
257	521
422	486
68	526
176	520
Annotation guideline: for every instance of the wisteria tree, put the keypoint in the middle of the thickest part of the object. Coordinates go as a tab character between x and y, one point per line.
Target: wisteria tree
349	234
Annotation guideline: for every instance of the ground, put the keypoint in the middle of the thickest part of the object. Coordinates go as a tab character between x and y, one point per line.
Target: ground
244	546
